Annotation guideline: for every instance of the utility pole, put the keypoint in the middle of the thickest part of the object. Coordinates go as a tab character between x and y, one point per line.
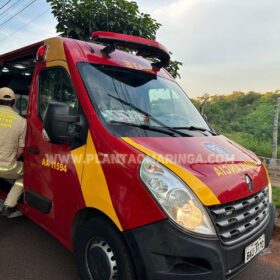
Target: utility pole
275	133
205	99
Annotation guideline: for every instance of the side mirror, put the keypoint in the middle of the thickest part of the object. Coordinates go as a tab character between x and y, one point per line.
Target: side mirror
58	123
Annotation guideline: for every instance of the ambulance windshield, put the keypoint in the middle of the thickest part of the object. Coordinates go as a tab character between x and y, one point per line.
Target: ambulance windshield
134	103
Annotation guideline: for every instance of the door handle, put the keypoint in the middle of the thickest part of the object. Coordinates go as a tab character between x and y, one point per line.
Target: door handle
33	151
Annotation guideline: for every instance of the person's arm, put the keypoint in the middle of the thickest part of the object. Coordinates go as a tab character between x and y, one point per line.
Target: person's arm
21	143
20	152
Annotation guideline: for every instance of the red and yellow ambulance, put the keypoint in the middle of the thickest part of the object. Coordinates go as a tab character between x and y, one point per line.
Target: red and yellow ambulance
122	169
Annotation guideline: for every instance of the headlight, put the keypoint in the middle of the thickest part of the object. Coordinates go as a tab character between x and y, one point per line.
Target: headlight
177	200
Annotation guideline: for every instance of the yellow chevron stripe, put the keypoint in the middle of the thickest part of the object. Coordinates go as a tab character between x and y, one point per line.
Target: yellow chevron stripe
268	178
78	156
267	174
93	182
55	50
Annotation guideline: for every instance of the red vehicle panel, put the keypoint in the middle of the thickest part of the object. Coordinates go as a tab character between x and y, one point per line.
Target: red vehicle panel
185	202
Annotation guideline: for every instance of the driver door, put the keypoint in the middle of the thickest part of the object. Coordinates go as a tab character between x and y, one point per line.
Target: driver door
52	178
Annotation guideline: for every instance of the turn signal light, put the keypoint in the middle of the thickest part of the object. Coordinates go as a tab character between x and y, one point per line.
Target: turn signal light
189	216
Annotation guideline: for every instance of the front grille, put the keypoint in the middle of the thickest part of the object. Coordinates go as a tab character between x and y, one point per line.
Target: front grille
238	220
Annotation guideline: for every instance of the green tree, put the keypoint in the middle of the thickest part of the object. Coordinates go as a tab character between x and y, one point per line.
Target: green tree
247	118
79	18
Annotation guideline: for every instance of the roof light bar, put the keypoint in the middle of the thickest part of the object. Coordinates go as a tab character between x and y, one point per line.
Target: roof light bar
144	47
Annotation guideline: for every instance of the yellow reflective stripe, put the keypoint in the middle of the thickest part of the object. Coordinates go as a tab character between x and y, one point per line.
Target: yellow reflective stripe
267	173
8	111
204	193
269	182
58	63
8	115
19	183
94	186
78	156
55	51
6	169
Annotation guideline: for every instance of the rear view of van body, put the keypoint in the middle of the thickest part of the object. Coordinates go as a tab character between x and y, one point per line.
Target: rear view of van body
123	170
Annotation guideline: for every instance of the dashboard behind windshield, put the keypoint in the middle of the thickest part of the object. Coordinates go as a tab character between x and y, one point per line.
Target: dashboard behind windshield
129	102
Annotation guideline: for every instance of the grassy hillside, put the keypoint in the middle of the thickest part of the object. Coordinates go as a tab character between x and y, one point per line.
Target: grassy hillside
247	118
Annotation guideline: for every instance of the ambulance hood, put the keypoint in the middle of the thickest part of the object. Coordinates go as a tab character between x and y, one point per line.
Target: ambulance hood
218	162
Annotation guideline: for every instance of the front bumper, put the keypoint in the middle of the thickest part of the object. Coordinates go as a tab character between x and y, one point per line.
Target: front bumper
161	251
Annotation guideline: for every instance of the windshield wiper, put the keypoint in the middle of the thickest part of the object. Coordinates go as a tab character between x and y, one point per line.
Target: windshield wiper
146	127
196	128
150	117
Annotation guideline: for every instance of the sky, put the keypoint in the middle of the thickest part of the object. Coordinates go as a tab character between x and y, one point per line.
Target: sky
225	45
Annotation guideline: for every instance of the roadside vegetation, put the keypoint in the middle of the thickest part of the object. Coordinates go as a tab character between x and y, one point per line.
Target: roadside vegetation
276	196
246	118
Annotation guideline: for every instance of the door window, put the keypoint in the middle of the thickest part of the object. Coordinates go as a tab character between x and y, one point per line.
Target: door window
55	85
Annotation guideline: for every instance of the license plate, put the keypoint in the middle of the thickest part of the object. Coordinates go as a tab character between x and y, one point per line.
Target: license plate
254	249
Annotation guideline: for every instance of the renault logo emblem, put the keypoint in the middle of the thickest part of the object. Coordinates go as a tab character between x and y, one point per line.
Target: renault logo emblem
249	183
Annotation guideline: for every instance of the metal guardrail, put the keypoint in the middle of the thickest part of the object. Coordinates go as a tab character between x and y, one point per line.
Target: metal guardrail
271	163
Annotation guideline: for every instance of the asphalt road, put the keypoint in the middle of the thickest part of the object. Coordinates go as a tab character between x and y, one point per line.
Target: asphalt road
28	252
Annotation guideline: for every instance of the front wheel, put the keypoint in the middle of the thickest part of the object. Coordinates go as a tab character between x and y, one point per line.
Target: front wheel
101	253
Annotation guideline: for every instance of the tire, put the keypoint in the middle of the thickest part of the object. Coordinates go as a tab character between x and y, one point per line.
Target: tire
101	253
